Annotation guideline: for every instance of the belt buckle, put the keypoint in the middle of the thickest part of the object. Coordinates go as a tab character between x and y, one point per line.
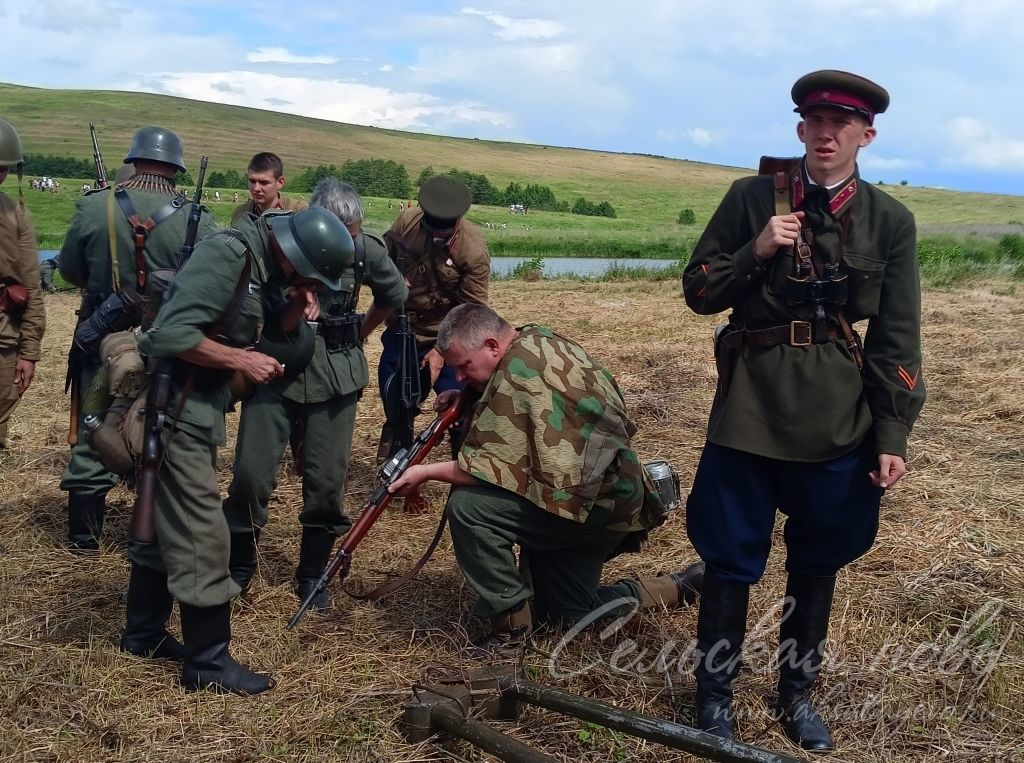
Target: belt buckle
800	334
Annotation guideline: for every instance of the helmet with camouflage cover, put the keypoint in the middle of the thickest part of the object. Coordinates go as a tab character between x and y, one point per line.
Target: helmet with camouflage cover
316	243
10	146
157	144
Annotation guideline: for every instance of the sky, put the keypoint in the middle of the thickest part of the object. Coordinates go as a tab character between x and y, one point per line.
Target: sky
704	81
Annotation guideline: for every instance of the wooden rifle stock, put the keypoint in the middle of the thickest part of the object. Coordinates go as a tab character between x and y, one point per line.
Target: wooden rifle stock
381	497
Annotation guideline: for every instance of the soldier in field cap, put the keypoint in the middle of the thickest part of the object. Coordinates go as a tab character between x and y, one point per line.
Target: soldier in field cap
807	419
445	261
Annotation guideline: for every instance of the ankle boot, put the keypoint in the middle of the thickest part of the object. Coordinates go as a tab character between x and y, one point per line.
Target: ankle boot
147	609
801	645
508	632
721	625
314	552
673	590
85	521
242	560
208	664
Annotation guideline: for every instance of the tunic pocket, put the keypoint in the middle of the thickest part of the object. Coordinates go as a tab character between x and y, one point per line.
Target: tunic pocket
865	289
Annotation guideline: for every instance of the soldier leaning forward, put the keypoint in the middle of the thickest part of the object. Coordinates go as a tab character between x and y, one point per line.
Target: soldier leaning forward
548	465
22	313
445	261
319	403
121	248
266	272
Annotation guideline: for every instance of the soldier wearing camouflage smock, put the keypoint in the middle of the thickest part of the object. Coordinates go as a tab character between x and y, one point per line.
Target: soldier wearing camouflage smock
237	283
805	420
22	313
320	402
445	261
103	256
548	464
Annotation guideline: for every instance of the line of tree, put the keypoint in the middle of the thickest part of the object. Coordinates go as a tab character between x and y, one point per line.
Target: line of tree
370	177
62	166
229	179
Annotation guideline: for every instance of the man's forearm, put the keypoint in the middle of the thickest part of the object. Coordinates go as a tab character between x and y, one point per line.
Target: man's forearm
448	471
210	354
374	317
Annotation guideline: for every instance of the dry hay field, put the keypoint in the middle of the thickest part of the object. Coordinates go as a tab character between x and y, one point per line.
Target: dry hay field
925	662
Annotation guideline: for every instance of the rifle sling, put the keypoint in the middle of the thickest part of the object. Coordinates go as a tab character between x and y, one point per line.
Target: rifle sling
394	584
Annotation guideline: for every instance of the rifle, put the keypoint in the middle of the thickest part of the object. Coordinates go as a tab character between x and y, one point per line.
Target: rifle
101	171
141	529
380	498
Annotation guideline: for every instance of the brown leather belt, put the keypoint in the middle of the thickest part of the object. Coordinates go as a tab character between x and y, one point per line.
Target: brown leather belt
795	334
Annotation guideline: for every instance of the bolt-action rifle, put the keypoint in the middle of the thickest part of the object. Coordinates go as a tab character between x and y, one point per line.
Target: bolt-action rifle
142	529
97	157
381	497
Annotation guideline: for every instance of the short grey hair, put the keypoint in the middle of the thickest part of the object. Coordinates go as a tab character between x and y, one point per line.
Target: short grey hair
470	325
340	198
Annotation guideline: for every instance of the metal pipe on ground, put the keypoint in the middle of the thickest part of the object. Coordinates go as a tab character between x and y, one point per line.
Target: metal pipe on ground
449	717
674	735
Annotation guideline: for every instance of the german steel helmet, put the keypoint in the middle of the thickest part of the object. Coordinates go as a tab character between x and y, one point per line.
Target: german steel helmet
158	144
316	243
10	146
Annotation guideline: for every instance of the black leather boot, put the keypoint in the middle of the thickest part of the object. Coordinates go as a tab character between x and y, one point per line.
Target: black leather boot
147	609
85	521
316	547
208	663
801	644
721	625
242	560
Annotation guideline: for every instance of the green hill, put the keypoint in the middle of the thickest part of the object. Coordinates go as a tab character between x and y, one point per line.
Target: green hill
647	191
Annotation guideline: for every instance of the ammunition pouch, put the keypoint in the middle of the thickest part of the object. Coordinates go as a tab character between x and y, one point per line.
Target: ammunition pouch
830	291
118	312
342	332
157	282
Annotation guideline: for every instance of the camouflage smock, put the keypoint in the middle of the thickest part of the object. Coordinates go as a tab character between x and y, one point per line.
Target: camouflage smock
551	426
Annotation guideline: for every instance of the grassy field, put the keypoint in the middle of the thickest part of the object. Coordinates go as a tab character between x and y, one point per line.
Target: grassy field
926	658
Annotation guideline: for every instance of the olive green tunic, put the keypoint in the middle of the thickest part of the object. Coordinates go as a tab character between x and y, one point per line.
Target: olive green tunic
192	533
811	403
324	395
85	261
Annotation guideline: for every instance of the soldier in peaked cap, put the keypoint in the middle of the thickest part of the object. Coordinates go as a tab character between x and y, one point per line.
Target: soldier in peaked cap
814	421
103	256
445	261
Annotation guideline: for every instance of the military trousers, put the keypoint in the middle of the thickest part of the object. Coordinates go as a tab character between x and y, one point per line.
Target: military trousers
264	430
560	561
831	507
85	475
192	541
8	394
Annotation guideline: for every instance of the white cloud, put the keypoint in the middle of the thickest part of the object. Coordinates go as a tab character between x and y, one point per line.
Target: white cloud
976	145
334	100
282	56
518	29
881	164
386	68
698	136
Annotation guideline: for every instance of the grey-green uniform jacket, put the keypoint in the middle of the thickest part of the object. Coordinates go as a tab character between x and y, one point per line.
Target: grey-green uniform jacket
198	297
85	257
811	403
335	374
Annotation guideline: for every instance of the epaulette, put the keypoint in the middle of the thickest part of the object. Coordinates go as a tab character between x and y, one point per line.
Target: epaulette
236	240
375	237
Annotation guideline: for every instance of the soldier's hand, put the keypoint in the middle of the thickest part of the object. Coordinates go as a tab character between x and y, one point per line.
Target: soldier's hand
259	368
780	232
435	362
307	297
890	470
445	400
409	481
24	371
